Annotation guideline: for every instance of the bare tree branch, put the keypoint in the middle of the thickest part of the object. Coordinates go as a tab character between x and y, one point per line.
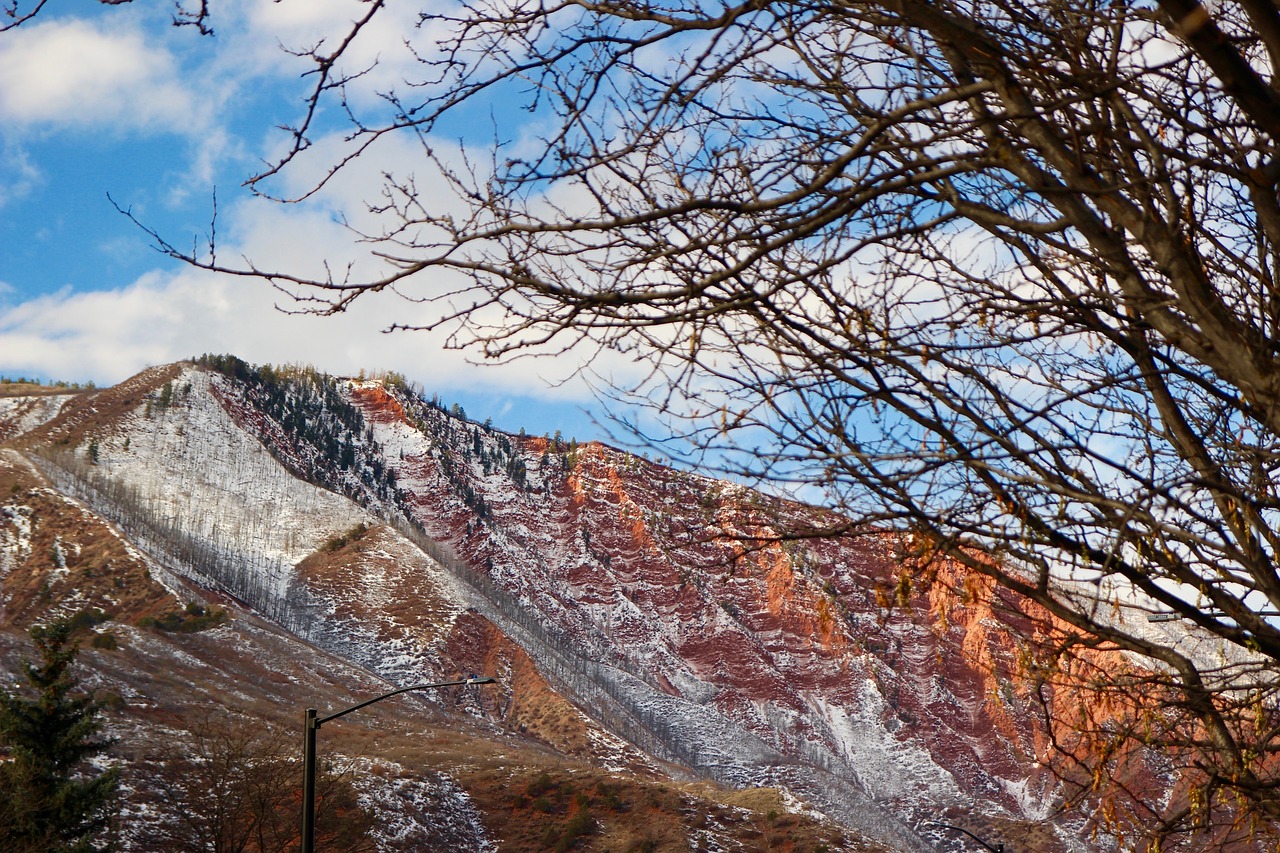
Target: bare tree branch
1000	273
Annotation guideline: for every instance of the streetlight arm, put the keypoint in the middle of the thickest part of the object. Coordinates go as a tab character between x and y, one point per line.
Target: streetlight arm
312	723
998	848
1174	616
483	679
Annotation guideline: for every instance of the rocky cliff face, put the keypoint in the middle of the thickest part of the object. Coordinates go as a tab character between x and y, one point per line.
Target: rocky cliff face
643	620
672	608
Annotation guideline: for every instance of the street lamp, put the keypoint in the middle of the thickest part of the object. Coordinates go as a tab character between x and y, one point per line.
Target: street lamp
312	723
1172	616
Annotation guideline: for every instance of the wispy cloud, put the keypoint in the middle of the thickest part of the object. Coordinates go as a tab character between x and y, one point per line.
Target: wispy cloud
18	174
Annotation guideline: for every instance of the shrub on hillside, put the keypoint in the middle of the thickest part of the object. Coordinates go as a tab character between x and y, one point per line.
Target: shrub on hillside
342	540
193	618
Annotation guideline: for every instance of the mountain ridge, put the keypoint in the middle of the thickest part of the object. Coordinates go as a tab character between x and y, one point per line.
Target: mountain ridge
664	615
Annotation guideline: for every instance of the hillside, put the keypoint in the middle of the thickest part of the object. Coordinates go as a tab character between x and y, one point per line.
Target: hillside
667	661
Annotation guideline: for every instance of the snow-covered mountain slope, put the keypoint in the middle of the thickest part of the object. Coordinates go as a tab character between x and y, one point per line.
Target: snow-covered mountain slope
634	589
642	620
22	413
158	587
667	605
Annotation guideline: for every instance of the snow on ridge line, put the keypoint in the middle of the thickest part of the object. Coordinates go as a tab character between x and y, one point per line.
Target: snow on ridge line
194	490
217	481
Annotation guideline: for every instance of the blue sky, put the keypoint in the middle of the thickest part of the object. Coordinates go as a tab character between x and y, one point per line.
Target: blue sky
99	101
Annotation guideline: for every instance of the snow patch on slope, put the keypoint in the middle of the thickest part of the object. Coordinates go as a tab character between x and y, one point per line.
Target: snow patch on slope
425	811
15	536
193	466
23	414
892	768
388	607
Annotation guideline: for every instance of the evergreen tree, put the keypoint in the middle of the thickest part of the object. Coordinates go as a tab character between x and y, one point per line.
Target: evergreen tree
47	802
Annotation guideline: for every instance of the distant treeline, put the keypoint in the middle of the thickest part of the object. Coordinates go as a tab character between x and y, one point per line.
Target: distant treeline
269	374
47	383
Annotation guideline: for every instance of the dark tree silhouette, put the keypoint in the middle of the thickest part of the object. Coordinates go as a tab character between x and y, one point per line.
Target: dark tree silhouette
1002	273
998	273
50	801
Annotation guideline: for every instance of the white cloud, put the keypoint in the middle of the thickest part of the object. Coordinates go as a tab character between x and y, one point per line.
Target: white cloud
68	75
76	73
109	335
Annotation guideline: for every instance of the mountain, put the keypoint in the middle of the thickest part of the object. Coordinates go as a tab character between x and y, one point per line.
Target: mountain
675	669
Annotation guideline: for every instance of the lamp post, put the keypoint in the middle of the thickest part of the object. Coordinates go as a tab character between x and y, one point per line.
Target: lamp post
312	724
